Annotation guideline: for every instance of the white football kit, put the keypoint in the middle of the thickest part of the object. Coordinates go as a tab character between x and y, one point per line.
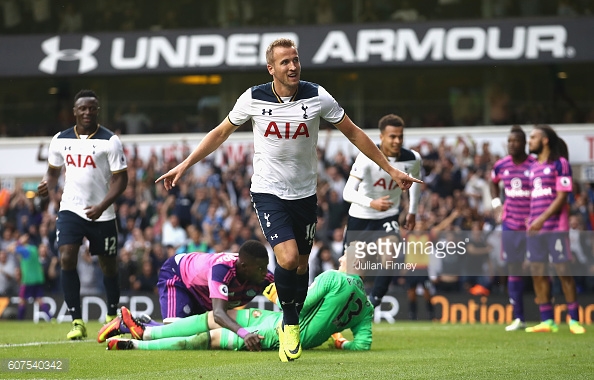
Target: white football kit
90	162
367	181
286	136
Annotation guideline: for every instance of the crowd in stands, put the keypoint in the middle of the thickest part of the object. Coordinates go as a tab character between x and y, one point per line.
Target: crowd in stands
210	211
76	16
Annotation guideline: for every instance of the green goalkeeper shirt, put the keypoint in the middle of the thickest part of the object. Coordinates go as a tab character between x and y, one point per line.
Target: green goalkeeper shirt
336	301
31	268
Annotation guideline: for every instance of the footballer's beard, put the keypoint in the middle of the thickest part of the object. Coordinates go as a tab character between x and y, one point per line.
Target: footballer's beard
537	150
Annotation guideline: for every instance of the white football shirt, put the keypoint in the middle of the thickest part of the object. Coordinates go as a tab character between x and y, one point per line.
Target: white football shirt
89	164
373	182
286	136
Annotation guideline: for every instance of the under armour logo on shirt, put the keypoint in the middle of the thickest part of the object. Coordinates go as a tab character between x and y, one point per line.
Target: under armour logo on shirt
87	62
264	112
273	236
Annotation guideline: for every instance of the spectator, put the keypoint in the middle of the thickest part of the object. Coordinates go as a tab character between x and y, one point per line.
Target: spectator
91	283
32	280
71	20
173	232
336	243
146	281
160	254
182	204
406	12
137	245
477	190
51	269
8	274
324	12
134	121
326	260
368	13
195	242
127	269
581	244
42	16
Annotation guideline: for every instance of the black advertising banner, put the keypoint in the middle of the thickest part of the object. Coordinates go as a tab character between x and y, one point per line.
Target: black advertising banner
450	307
517	41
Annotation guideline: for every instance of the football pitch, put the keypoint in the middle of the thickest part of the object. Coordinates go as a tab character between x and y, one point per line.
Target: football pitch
405	350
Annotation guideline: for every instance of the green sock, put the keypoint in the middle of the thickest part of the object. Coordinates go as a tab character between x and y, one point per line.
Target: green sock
195	342
188	326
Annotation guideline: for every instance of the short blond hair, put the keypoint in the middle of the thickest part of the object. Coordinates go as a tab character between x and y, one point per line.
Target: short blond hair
281	42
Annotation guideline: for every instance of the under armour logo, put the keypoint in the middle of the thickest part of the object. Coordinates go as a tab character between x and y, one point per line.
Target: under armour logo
273	236
264	112
304	108
51	47
266	216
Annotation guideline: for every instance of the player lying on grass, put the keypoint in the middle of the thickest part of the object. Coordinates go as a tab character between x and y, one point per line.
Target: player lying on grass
194	283
336	301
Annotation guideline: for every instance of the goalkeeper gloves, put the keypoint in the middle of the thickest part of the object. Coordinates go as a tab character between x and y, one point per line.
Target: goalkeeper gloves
270	292
339	340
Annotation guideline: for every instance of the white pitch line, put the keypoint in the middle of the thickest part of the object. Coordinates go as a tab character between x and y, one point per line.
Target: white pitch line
11	345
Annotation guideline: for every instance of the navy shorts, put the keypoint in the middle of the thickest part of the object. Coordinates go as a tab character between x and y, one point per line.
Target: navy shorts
513	245
31	291
549	246
102	236
176	300
370	230
283	220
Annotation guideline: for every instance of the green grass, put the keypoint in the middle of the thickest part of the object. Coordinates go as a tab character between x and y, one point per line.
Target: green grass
406	350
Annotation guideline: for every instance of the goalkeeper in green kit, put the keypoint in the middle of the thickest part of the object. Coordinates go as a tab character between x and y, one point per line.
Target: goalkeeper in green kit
336	301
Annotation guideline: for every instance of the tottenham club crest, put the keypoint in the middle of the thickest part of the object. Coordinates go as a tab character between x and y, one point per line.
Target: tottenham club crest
304	108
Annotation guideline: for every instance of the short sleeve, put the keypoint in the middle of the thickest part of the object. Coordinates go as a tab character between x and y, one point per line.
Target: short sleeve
117	158
331	111
241	110
217	287
495	173
54	157
564	181
358	168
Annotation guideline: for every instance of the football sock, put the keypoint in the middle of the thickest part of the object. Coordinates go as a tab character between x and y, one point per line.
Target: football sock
112	289
546	311
301	291
44	307
286	288
188	326
430	311
71	288
124	329
573	309
380	287
195	342
515	289
412	309
21	311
